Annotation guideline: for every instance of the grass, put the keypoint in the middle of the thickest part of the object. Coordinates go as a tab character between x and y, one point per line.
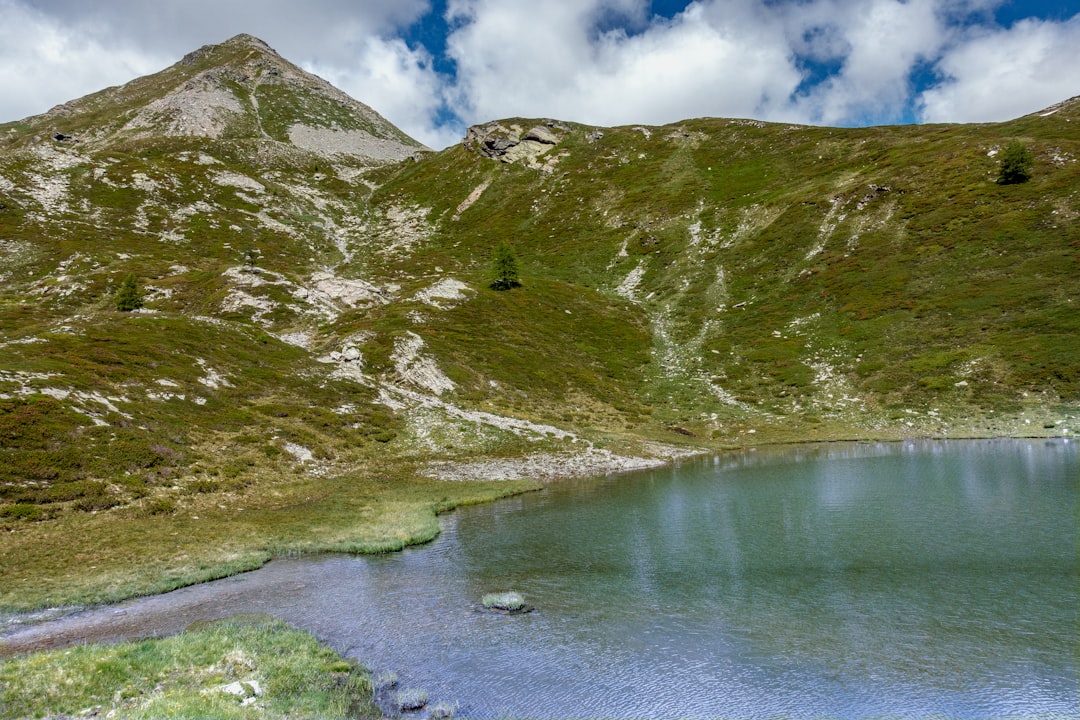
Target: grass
183	676
127	553
442	711
411	699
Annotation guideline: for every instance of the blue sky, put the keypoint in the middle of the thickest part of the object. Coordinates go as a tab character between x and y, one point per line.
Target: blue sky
434	67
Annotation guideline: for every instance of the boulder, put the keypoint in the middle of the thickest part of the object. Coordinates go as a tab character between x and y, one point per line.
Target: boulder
542	135
511	144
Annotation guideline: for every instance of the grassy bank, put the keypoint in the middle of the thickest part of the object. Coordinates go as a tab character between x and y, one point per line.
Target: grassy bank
114	554
239	668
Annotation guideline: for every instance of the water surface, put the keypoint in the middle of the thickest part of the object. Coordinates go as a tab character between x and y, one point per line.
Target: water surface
847	580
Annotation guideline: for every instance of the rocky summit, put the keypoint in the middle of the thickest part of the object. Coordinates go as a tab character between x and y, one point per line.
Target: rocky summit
315	292
240	90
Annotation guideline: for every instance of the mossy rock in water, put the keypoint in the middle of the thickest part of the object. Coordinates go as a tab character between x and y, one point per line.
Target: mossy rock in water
411	699
505	602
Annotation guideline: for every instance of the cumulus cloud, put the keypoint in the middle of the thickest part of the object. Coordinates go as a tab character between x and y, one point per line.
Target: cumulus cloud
323	28
845	62
46	64
400	83
877	45
559	61
1000	74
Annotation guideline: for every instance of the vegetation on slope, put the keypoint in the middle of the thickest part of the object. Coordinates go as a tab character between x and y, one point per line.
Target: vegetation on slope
797	274
319	331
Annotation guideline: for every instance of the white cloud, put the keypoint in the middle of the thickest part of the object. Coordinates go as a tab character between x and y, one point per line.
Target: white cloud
714	58
878	43
322	28
1005	73
46	64
400	83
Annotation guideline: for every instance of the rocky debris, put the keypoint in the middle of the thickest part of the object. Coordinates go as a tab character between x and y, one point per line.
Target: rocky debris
200	107
628	287
233	179
352	293
405	228
416	369
447	289
402	399
330	142
301	453
50	186
543	467
347	354
512	144
467	202
213	379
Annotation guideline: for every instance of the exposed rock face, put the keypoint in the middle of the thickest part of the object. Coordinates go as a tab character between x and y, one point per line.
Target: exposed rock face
514	145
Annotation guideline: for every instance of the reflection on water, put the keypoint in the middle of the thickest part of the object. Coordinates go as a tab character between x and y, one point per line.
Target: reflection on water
845	580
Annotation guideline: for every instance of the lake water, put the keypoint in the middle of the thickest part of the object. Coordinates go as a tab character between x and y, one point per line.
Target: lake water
846	580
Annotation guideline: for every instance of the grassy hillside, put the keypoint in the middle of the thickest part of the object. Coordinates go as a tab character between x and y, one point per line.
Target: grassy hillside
319	337
870	279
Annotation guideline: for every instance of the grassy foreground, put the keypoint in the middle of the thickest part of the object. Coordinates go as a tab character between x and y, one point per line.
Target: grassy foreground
186	676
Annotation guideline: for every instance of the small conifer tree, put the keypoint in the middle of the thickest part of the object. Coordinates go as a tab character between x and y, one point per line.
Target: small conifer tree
128	295
505	266
1015	164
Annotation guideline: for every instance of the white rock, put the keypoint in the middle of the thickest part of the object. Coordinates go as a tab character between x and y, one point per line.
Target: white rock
244	688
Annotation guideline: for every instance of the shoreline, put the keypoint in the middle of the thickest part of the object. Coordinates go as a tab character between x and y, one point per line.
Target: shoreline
89	638
546	468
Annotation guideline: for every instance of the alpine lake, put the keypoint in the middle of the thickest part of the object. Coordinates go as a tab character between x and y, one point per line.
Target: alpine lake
921	579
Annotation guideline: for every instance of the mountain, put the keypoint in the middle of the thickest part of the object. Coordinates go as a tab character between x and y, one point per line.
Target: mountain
318	333
241	91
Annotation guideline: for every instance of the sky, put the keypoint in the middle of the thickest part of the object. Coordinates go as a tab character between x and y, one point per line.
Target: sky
434	67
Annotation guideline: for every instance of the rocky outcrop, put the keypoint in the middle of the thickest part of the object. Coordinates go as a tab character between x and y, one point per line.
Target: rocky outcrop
513	144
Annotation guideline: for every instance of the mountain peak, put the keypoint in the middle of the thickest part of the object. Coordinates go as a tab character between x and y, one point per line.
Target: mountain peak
240	90
240	42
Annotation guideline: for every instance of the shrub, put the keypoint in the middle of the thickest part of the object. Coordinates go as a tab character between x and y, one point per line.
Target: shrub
1015	164
24	511
160	506
128	295
504	264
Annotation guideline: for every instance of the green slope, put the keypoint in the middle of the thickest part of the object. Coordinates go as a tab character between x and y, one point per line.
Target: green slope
319	331
794	274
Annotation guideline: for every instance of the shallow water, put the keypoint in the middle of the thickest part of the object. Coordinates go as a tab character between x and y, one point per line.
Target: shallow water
848	580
